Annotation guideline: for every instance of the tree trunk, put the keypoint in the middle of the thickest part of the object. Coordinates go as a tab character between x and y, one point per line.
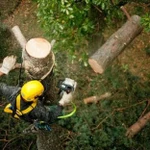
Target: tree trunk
39	66
117	42
52	140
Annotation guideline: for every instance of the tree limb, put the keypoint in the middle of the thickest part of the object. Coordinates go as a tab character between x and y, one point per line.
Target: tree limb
95	99
137	126
125	12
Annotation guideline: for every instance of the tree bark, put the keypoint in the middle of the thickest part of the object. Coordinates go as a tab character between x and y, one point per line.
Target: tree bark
117	42
41	69
95	99
138	126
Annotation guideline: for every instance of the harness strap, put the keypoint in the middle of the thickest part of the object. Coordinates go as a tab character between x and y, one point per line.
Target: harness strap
25	111
18	112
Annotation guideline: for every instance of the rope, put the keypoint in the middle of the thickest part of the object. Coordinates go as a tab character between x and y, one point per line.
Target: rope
70	114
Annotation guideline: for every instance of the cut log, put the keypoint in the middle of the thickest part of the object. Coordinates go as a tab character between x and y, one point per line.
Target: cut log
39	59
95	99
138	126
117	42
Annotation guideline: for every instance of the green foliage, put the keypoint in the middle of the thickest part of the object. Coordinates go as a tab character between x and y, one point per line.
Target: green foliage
4	34
103	126
147	50
145	21
71	23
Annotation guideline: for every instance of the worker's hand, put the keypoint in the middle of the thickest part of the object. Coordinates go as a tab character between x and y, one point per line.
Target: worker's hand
67	88
8	64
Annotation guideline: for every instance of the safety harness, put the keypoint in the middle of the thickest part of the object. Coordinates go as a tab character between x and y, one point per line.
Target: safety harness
17	112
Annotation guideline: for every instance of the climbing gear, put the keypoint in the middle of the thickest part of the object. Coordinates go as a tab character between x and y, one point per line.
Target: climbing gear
70	114
17	112
32	90
36	126
41	125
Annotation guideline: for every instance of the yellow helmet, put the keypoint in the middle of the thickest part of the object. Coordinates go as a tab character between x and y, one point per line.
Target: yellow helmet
31	90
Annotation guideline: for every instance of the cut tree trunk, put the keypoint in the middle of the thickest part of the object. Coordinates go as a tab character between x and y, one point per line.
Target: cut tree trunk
38	67
117	42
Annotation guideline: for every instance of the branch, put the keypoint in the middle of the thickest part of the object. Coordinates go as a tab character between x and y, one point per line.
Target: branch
136	127
19	36
95	99
125	12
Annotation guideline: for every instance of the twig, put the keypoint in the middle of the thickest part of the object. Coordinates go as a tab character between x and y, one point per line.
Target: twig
10	141
97	8
148	104
30	145
125	12
104	120
116	110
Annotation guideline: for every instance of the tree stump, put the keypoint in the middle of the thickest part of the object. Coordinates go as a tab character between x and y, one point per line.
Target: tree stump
117	42
38	58
38	62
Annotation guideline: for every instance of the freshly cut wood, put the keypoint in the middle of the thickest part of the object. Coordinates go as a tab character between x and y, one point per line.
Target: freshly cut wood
95	99
39	59
117	42
38	48
138	126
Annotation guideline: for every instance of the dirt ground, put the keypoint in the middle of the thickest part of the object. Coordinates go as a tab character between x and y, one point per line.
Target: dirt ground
134	58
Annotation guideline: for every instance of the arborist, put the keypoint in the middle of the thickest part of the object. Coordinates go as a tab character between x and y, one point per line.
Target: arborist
24	102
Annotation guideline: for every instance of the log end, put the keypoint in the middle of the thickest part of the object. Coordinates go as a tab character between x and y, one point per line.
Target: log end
95	66
38	48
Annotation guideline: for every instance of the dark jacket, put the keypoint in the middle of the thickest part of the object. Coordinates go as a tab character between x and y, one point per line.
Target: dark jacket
40	112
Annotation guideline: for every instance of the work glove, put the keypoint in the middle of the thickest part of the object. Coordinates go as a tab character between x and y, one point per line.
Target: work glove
8	64
67	88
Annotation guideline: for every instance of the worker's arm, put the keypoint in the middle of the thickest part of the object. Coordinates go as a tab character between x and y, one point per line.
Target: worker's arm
46	114
8	92
67	89
8	64
51	114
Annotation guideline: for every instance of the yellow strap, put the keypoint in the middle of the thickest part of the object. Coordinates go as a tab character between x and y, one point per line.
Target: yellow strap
7	109
25	111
